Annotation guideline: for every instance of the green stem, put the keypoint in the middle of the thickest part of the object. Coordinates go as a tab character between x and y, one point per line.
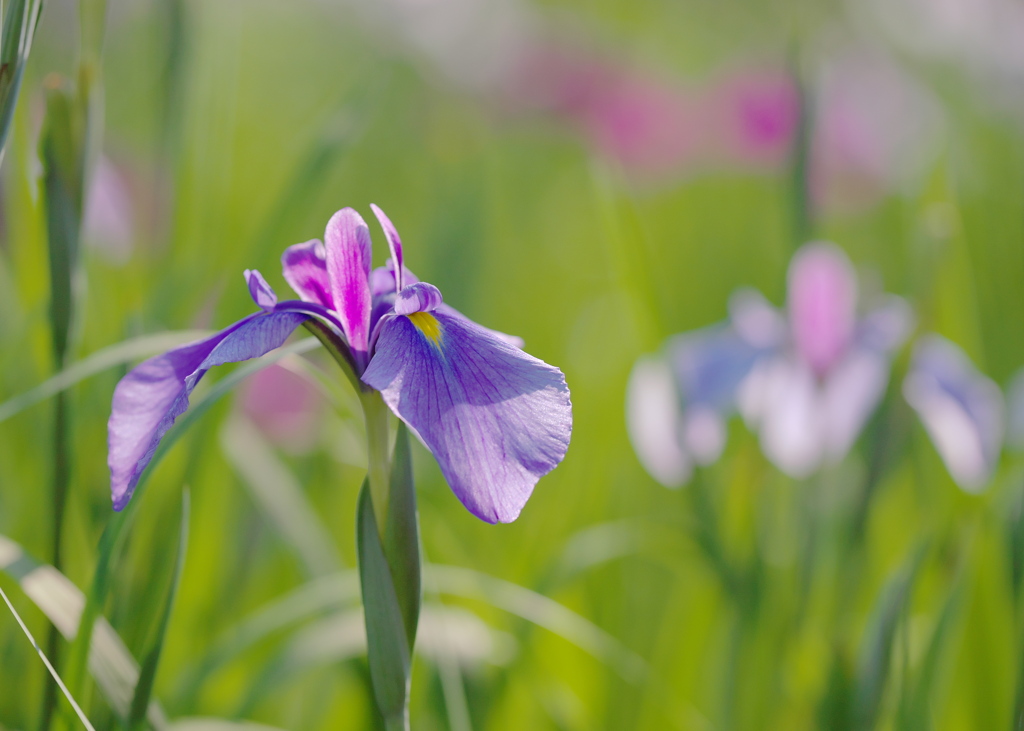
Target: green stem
379	463
397	723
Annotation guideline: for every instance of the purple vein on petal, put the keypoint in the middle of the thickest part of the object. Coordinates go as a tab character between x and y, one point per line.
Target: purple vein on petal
495	418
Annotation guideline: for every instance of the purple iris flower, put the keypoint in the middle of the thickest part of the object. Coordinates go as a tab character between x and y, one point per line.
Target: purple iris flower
811	398
495	418
806	379
961	409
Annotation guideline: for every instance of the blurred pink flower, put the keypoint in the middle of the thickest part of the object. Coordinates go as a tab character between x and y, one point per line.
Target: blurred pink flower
876	129
284	406
752	117
109	225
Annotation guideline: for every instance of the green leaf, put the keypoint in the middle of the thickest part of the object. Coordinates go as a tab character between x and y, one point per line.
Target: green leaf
15	43
279	495
42	656
916	716
401	535
876	647
63	150
110	662
118	354
388	647
312	599
144	688
217	724
542	611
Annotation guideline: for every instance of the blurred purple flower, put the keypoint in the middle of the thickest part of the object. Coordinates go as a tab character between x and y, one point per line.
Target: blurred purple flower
810	399
806	379
495	418
961	409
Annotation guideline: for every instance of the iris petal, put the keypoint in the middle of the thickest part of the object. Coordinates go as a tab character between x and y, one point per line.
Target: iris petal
261	292
961	409
495	418
394	244
156	392
305	270
348	268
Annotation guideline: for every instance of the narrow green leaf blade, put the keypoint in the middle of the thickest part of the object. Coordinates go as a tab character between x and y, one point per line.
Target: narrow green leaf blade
62	149
15	43
111	664
876	647
401	535
147	676
114	355
387	644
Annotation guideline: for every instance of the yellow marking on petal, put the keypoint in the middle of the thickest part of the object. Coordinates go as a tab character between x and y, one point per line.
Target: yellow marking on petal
428	325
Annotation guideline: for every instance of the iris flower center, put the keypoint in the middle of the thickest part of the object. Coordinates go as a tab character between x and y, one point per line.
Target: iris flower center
428	325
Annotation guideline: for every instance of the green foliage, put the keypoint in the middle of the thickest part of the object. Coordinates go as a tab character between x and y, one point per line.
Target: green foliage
746	601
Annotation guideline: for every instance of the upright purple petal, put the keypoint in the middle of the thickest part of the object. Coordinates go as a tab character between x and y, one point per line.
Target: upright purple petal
495	418
822	304
154	393
261	292
419	297
961	409
348	268
394	244
305	270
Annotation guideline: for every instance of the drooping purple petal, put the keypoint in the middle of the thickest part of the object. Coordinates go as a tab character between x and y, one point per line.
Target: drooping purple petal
305	270
419	297
154	393
495	418
261	292
822	304
347	241
394	244
960	408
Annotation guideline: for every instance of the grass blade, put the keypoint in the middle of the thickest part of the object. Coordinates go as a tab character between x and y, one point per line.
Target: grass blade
147	676
19	27
876	647
42	656
279	495
110	662
542	611
114	355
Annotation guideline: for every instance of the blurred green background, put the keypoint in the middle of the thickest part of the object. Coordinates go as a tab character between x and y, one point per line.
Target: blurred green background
235	129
